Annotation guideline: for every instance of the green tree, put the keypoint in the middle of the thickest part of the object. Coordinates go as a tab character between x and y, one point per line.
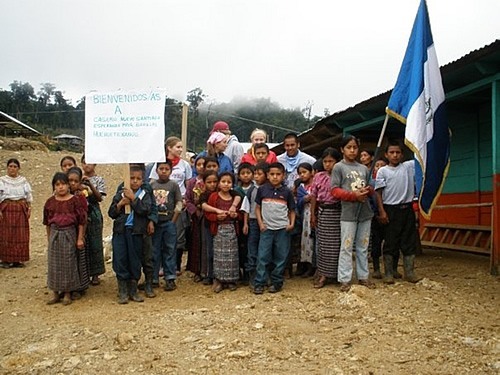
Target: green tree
22	94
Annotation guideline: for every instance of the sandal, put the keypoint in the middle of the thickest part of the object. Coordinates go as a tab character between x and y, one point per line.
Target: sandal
345	287
369	284
320	283
217	287
55	299
67	299
197	278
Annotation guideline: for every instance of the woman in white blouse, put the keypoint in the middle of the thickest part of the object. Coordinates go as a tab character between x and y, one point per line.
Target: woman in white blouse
15	211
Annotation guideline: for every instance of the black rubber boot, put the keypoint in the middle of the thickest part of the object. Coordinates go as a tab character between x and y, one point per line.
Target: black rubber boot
388	277
132	291
409	267
395	262
148	288
122	292
245	278
251	278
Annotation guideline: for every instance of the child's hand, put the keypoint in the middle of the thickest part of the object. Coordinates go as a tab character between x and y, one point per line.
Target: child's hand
218	211
80	245
313	221
289	228
245	229
233	215
262	227
383	218
307	198
127	193
362	194
222	216
151	228
123	202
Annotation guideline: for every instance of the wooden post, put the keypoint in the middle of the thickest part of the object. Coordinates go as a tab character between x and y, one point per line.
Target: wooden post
126	182
495	156
184	125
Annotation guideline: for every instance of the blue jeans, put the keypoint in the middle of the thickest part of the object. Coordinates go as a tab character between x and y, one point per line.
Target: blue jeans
359	233
253	245
165	250
127	254
274	246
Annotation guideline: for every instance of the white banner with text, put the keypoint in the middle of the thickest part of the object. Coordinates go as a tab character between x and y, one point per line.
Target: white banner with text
125	126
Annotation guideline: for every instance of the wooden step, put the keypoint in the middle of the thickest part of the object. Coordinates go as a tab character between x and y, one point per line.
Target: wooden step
469	238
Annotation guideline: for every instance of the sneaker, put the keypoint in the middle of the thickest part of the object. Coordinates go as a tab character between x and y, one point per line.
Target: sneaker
170	285
274	288
258	289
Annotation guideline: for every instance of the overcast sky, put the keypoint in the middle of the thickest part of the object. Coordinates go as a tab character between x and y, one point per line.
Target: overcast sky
333	53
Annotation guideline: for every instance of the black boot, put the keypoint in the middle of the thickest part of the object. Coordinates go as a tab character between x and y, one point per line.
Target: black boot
395	261
301	268
308	272
388	277
132	291
409	267
148	288
251	278
245	278
376	268
122	292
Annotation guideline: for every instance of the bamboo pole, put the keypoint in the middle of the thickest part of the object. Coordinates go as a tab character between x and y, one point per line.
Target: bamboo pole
126	182
184	125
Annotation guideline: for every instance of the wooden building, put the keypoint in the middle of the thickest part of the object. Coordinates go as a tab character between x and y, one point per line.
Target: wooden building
12	127
468	213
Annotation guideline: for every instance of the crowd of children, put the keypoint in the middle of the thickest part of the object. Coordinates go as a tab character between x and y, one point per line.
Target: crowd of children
238	227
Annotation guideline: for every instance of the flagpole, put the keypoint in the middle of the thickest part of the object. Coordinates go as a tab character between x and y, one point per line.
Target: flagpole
379	144
375	155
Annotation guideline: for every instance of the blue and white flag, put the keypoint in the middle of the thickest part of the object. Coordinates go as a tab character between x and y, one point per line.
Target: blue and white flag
417	100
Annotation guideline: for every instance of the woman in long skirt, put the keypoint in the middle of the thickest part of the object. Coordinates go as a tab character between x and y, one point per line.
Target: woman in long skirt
15	211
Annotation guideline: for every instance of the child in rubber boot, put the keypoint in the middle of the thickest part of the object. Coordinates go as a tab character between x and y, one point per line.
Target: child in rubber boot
129	230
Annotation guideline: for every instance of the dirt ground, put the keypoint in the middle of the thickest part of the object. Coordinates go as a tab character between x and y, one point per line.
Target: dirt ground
446	324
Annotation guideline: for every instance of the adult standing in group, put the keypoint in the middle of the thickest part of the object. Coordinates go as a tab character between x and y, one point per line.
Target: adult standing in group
292	157
181	172
258	136
234	149
216	145
366	157
15	211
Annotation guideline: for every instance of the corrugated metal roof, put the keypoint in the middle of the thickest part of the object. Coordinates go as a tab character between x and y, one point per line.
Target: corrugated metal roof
15	126
469	69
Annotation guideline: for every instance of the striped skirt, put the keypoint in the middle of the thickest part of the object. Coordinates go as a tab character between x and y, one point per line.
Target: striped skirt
83	269
328	241
63	275
226	260
14	232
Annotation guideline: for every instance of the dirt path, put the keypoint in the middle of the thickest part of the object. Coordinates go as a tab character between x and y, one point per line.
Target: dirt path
446	324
